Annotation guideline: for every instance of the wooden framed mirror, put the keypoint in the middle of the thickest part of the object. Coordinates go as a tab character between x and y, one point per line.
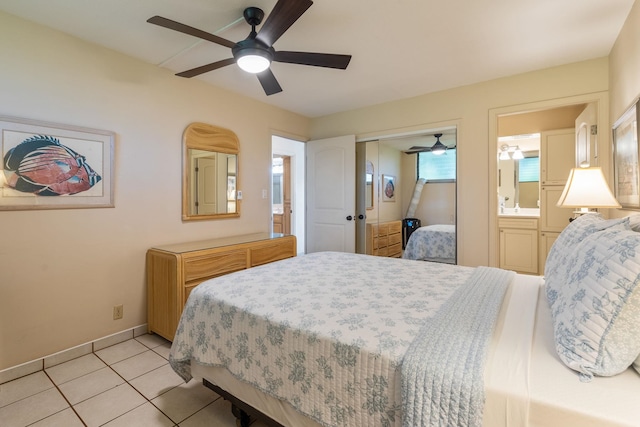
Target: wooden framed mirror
210	173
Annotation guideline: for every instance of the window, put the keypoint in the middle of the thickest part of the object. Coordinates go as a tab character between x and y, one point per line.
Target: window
437	168
529	169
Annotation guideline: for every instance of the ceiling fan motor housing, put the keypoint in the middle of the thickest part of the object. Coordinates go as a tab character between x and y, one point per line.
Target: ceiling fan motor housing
253	16
252	46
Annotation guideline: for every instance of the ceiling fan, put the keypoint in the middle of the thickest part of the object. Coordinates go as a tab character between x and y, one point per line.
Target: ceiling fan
255	53
438	148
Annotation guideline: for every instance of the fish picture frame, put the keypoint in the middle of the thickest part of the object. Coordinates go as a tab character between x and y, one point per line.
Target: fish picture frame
388	188
53	166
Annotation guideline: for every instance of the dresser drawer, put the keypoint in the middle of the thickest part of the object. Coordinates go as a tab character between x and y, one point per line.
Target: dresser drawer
395	227
395	250
273	252
395	239
383	241
214	265
383	229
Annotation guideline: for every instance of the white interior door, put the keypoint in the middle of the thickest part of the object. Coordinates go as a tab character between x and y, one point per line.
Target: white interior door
587	136
331	196
206	173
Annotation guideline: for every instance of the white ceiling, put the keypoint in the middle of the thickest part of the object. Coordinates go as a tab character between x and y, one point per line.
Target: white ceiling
400	48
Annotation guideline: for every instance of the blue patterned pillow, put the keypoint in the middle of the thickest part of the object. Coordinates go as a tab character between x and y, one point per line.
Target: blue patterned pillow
573	234
595	303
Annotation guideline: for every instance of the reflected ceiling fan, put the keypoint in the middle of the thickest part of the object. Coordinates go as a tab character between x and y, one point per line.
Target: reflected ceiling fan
438	148
255	53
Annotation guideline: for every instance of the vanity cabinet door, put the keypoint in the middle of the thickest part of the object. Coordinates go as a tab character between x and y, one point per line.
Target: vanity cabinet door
519	245
546	241
552	217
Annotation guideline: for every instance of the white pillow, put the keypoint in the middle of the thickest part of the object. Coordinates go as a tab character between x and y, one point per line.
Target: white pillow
573	234
634	222
595	303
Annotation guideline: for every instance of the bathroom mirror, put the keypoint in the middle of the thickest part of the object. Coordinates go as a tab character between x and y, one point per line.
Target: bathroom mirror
519	181
518	178
210	173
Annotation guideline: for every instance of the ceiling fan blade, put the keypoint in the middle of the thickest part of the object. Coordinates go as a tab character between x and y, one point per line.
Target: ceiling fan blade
182	28
420	149
206	68
283	15
269	82
328	60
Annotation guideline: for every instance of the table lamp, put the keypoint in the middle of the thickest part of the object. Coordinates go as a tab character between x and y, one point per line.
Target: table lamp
586	188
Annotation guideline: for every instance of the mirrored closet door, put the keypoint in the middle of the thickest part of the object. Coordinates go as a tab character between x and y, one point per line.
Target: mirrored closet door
412	181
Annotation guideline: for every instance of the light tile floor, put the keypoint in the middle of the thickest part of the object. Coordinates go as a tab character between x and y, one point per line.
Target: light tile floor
127	384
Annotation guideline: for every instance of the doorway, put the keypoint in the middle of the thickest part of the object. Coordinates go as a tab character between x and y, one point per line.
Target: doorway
287	189
537	117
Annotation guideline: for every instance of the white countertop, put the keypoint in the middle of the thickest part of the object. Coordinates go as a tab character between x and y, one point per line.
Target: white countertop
535	212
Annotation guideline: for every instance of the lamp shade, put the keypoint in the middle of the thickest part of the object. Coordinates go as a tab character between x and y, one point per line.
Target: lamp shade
587	188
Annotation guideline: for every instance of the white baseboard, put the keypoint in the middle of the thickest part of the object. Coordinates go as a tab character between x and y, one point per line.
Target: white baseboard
28	368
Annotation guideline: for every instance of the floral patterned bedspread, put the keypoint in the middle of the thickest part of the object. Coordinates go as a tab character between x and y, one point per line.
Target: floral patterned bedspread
326	331
432	242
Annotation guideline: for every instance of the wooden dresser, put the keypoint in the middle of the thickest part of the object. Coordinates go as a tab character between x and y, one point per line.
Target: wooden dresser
174	270
385	239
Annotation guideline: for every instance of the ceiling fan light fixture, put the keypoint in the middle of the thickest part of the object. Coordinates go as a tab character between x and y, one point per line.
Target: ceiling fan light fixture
438	148
252	63
252	56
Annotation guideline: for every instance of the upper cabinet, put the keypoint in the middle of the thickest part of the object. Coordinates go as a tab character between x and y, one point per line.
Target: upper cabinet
557	156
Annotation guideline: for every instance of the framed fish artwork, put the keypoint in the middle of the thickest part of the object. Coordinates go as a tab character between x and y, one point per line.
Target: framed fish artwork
53	166
388	188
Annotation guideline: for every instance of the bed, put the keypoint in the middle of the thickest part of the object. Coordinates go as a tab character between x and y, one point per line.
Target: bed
432	243
335	339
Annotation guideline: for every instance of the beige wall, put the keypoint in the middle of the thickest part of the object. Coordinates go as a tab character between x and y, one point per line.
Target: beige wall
469	107
624	64
62	271
624	74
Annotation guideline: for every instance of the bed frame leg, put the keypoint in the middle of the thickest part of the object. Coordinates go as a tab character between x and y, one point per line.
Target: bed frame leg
242	411
242	418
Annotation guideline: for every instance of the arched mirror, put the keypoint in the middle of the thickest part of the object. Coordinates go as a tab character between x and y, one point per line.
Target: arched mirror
210	173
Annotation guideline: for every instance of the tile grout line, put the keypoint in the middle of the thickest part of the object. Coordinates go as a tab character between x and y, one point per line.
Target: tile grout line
65	399
136	390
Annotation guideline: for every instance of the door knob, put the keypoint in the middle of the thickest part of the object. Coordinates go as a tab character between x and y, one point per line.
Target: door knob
349	218
360	216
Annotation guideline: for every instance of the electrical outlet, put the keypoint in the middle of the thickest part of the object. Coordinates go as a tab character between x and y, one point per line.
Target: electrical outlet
118	312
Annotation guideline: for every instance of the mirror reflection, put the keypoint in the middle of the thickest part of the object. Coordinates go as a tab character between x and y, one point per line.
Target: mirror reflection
418	220
368	192
210	173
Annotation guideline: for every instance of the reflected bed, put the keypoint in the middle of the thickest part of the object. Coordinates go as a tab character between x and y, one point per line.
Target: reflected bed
432	243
